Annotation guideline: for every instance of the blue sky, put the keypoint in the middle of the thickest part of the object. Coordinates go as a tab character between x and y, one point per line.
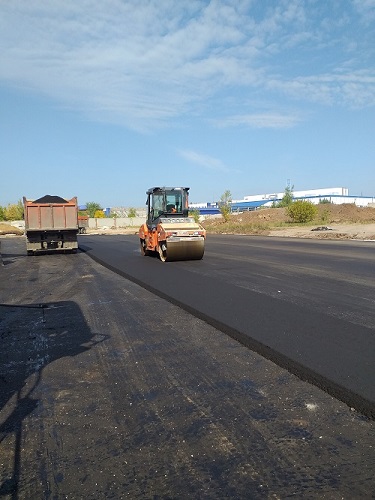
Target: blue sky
104	99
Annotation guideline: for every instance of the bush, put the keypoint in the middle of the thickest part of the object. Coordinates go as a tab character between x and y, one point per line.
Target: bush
225	205
132	212
14	211
195	214
92	207
287	199
324	217
302	211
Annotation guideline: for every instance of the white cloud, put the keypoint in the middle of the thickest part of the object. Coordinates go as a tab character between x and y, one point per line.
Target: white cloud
356	89
366	9
144	63
205	161
260	120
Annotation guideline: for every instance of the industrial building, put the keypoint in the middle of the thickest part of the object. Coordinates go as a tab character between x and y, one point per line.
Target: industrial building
336	195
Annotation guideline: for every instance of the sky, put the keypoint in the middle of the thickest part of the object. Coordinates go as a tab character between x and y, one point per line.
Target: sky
105	99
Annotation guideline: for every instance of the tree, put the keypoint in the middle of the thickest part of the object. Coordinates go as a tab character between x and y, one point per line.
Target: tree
302	211
99	214
2	213
14	211
225	205
194	212
132	212
287	199
92	207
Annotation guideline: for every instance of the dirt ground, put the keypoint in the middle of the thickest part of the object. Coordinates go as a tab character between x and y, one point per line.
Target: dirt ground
346	221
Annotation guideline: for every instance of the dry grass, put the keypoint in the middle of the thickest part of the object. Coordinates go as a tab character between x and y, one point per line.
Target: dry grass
264	220
6	228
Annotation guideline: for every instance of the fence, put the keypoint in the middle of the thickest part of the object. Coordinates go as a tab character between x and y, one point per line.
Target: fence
115	222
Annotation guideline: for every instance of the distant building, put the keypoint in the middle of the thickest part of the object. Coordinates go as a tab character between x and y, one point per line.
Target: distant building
205	208
337	196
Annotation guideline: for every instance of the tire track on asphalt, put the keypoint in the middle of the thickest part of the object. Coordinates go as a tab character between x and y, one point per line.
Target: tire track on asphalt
291	336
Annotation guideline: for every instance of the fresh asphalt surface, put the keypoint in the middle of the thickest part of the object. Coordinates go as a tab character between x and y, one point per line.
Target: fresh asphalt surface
109	391
307	305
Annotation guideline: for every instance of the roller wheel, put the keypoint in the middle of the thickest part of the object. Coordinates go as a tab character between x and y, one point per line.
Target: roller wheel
163	253
144	250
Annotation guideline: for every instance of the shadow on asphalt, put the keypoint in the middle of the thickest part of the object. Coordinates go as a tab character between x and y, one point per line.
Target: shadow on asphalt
33	336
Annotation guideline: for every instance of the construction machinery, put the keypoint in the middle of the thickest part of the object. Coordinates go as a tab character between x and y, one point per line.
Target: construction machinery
168	230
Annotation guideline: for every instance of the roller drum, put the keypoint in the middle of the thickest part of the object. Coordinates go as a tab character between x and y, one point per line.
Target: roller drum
183	249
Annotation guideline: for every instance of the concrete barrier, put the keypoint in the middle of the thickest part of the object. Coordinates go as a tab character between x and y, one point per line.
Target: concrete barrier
115	222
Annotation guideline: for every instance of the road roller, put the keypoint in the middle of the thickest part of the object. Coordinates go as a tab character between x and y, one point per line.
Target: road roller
169	231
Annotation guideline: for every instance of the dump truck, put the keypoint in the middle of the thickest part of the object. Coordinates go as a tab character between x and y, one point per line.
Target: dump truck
83	223
169	231
51	224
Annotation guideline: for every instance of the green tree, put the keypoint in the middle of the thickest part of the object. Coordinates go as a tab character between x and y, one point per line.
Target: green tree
225	205
92	207
287	199
2	213
302	211
14	211
194	212
132	212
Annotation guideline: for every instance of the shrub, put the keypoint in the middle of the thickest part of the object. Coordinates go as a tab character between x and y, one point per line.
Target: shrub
195	214
225	205
132	212
302	211
287	199
14	211
325	216
92	207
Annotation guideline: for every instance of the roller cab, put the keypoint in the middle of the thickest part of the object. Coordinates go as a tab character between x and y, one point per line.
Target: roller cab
168	230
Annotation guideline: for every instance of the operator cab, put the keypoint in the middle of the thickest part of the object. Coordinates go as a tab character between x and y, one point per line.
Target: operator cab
167	202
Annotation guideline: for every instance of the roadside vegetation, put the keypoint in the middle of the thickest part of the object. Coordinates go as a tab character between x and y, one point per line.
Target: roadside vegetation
263	220
195	214
132	212
13	211
225	205
93	209
287	199
301	211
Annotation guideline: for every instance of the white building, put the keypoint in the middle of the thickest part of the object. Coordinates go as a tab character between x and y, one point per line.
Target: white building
338	195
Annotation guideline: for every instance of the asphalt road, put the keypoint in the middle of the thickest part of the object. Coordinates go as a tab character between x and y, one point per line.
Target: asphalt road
308	305
109	391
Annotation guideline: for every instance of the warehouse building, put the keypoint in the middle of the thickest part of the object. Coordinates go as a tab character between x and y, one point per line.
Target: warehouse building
336	195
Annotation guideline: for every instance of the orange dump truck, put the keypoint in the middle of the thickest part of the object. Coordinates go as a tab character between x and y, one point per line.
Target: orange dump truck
51	223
